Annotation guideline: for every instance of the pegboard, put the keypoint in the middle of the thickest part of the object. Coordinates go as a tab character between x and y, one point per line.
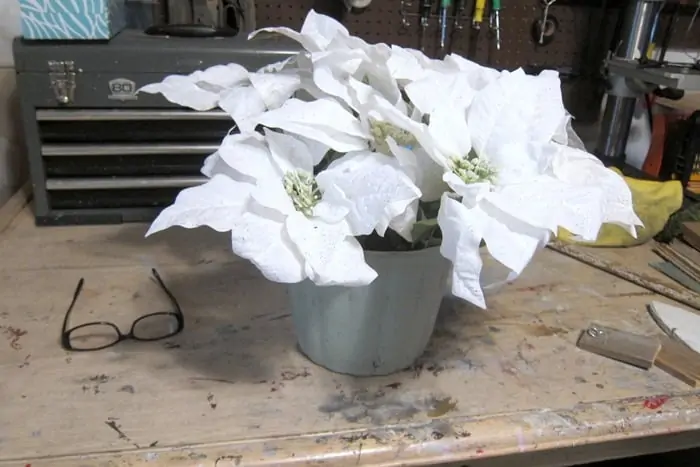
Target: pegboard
382	22
578	47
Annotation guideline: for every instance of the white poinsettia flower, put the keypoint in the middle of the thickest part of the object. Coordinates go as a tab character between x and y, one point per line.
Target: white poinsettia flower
316	34
528	185
240	93
277	217
374	189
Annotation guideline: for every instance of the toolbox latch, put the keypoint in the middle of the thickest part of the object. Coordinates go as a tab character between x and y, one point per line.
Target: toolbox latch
62	76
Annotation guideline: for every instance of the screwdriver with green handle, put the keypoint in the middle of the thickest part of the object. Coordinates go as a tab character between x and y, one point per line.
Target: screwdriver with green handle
445	6
496	21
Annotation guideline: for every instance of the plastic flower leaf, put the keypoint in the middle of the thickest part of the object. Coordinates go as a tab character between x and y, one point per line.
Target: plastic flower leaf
316	34
461	238
581	170
200	90
420	168
322	120
247	157
216	204
332	255
516	108
479	76
440	88
509	241
375	190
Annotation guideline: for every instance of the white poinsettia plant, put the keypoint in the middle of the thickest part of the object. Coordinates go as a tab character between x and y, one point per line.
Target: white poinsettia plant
349	146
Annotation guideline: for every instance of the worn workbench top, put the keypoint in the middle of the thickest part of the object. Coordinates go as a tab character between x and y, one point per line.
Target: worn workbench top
233	389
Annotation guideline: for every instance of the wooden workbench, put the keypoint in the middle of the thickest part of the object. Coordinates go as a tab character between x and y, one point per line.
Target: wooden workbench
232	389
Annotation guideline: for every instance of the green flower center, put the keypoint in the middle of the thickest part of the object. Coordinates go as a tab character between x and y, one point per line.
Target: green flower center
472	169
303	190
380	131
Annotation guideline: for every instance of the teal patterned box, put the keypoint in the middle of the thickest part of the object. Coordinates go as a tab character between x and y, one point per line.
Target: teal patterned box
72	19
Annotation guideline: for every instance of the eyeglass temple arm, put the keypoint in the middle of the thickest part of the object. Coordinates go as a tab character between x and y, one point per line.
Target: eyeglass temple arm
167	291
76	294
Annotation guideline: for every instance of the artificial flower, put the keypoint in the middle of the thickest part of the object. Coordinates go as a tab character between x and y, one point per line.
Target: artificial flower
240	93
382	136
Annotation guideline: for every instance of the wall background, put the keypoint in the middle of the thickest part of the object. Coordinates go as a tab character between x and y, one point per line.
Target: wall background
12	160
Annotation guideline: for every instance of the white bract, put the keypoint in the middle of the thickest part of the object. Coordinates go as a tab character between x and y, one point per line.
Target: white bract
388	144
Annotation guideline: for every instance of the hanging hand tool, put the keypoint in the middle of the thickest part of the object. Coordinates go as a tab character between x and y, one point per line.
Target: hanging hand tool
477	19
444	12
457	26
426	7
495	21
546	23
405	22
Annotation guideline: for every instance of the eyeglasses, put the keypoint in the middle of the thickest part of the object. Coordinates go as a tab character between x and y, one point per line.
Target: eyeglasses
99	335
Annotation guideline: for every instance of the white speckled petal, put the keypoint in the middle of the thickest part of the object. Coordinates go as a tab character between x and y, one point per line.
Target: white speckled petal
323	120
248	155
511	243
316	33
243	104
265	243
461	238
439	88
275	88
420	168
374	189
583	169
333	256
217	204
200	90
289	153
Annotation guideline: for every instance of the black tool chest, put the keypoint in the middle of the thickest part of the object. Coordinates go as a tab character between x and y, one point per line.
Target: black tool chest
99	153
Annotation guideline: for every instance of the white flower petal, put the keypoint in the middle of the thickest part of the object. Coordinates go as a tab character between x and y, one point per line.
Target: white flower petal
289	152
217	204
275	88
248	155
333	256
271	195
547	203
323	120
479	76
199	90
461	238
265	243
510	242
316	33
421	169
373	188
403	223
439	88
582	169
243	104
449	133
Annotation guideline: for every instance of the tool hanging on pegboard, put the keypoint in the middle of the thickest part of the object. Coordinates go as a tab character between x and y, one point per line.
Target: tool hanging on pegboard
495	21
426	7
449	15
544	29
477	19
457	26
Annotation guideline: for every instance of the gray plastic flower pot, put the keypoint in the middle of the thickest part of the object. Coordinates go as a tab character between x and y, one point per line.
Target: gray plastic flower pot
376	329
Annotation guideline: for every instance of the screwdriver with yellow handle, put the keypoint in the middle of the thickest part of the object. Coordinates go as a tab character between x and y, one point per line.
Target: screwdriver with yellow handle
478	18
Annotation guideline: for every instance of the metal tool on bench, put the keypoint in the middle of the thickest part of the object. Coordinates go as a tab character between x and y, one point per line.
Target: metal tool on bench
630	75
100	153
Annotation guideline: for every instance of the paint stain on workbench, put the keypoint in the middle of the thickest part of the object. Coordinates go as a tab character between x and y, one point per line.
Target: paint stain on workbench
13	335
542	330
379	407
212	401
654	403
